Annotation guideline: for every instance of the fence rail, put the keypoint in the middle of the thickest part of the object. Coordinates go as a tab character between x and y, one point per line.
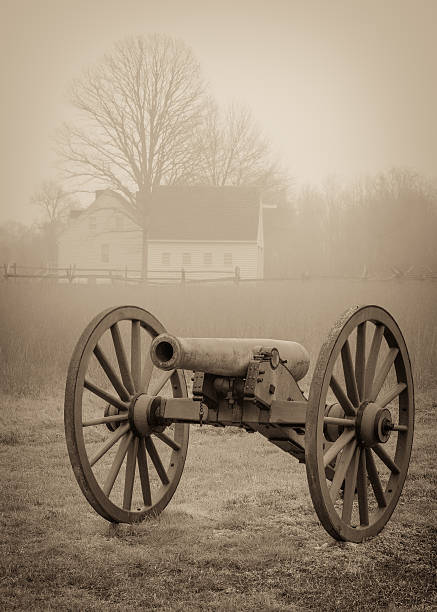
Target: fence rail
71	274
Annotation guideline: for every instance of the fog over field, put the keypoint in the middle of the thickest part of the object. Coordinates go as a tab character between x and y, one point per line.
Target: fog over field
218	170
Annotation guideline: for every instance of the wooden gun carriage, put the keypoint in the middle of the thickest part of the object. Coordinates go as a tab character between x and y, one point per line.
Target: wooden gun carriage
127	412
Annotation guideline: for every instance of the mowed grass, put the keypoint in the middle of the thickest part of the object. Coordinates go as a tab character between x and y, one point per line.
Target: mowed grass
239	534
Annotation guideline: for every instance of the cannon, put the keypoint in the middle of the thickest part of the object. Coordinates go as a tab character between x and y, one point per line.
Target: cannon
127	412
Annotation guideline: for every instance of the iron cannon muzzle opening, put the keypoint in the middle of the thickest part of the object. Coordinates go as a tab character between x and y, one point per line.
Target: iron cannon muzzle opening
164	351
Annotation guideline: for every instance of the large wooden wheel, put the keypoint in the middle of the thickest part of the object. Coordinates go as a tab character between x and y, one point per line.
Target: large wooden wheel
109	373
359	426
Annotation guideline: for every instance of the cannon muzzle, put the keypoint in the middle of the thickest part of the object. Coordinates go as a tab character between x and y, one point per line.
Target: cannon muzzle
224	356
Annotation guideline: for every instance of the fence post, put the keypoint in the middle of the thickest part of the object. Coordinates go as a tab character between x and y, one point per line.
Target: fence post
14	267
183	276
237	275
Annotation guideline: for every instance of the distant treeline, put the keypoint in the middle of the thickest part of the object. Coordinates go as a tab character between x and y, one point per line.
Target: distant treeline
373	225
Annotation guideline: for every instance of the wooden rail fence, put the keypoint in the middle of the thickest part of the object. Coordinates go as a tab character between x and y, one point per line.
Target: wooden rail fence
71	274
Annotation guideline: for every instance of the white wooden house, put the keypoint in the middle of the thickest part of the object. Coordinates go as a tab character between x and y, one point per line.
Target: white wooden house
206	231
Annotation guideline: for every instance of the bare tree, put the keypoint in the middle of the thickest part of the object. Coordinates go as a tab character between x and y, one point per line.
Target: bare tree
52	200
54	203
232	150
137	113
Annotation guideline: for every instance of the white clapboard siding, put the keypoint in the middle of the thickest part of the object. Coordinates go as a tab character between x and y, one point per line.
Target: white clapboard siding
245	255
82	243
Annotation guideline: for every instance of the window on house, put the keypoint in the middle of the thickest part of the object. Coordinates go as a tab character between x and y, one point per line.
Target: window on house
227	259
207	259
165	259
186	259
118	222
104	253
92	223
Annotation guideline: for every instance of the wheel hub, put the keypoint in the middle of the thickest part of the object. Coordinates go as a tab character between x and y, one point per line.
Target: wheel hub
143	415
373	425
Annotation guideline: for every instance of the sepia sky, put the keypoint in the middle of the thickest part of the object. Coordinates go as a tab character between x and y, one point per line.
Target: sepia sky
339	87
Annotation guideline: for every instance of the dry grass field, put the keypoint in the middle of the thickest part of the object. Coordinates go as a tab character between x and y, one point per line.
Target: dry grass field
40	323
240	532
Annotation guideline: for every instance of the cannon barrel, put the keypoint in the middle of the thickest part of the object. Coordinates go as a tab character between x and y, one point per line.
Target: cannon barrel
223	356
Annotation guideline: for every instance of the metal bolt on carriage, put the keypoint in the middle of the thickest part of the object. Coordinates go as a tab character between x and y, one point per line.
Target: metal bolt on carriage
127	412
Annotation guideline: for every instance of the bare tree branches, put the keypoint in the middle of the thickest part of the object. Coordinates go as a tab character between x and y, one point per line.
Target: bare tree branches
137	110
144	120
232	150
53	202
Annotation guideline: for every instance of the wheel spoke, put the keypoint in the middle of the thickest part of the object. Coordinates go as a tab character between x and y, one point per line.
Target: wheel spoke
349	374
385	458
108	397
343	399
113	438
122	359
111	374
131	462
372	360
383	373
136	354
147	373
106	419
363	505
374	479
169	441
116	464
337	446
158	384
144	472
391	394
156	460
360	358
341	468
349	487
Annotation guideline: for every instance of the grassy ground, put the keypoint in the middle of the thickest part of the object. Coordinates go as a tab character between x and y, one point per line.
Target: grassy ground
240	533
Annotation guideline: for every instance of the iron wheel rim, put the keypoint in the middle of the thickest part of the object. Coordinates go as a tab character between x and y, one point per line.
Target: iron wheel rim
315	443
74	430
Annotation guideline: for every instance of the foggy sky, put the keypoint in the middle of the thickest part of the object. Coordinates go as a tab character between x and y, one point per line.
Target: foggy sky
339	87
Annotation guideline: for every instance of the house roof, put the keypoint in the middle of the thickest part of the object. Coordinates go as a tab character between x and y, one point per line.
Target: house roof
204	213
197	212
